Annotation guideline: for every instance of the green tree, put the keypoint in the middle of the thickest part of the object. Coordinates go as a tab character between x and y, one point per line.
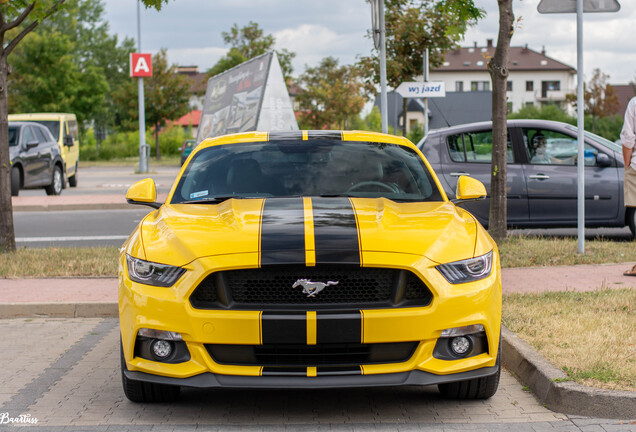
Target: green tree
332	95
600	99
412	26
166	94
249	42
18	18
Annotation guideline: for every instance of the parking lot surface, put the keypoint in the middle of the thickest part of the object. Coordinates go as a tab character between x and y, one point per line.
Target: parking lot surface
65	374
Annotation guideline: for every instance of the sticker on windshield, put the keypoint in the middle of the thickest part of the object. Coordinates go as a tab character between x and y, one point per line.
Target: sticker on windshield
198	194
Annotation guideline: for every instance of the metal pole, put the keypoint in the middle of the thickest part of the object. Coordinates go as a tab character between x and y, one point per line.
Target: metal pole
580	110
425	79
383	99
143	161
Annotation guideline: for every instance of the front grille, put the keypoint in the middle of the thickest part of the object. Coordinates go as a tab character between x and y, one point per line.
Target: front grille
311	355
272	288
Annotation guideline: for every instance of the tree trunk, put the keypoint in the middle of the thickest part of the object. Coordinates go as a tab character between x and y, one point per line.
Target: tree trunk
7	234
498	68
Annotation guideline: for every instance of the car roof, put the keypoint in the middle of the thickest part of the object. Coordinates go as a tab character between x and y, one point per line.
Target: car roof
510	123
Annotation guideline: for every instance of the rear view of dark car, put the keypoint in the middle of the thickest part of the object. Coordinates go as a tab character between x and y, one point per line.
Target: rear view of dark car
35	159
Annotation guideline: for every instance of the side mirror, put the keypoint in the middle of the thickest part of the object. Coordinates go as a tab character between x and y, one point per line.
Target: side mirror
469	189
68	141
32	144
143	192
603	160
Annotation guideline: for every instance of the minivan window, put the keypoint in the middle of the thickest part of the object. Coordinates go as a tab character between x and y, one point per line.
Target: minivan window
27	135
14	134
474	147
41	136
549	147
52	125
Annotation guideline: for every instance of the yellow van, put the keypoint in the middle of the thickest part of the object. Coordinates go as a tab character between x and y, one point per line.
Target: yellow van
63	127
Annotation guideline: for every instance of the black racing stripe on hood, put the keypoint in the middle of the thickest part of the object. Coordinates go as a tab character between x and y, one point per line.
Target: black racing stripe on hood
283	231
281	136
284	327
338	327
328	135
335	231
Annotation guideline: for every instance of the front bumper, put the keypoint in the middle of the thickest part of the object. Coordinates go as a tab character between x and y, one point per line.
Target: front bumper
142	306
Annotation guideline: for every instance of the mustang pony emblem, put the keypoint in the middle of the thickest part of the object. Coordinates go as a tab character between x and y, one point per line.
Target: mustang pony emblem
312	288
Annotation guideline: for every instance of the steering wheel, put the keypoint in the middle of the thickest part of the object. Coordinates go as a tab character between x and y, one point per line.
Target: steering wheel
387	186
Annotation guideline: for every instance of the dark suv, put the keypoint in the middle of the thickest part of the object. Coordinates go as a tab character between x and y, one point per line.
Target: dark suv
35	159
542	172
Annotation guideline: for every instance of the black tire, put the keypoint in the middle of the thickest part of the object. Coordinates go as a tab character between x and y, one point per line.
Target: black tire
477	388
631	219
57	182
16	177
72	181
139	391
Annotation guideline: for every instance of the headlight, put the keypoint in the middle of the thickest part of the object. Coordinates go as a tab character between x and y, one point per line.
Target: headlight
150	273
469	270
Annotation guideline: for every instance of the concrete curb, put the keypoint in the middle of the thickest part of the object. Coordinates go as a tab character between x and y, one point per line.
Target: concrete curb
548	385
59	310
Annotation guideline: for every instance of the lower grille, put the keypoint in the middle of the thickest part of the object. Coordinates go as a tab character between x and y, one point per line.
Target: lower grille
277	287
311	355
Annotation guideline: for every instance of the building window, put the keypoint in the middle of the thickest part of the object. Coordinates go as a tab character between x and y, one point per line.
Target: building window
459	86
547	86
479	85
509	85
529	85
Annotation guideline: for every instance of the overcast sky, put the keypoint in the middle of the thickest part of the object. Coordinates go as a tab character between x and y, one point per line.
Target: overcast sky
191	31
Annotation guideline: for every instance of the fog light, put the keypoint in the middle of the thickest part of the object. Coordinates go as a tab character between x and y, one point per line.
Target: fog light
460	345
161	349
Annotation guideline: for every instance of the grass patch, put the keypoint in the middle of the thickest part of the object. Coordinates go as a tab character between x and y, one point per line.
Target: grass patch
591	336
59	262
522	251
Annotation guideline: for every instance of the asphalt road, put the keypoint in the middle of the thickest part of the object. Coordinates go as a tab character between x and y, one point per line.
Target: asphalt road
65	373
80	228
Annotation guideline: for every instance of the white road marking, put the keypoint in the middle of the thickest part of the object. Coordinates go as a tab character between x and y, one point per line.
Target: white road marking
75	238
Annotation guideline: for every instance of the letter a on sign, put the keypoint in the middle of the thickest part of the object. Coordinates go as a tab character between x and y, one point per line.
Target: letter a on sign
140	65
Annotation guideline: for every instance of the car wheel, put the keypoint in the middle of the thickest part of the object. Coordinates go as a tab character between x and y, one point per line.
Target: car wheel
55	188
15	181
139	391
477	388
631	219
72	181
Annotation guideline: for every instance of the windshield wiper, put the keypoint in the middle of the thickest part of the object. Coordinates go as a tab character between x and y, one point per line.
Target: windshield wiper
212	200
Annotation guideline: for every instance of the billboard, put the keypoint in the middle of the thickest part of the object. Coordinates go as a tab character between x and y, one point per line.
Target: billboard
251	96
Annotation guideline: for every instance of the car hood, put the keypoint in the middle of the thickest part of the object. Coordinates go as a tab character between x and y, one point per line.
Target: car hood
297	230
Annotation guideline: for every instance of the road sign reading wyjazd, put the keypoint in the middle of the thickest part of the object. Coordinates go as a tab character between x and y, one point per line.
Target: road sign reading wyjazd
421	89
569	6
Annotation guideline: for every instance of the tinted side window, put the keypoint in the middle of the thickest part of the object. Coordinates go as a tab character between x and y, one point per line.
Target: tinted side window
548	147
41	136
27	135
474	147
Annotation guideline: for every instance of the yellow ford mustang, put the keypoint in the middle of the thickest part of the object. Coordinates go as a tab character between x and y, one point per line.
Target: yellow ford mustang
310	259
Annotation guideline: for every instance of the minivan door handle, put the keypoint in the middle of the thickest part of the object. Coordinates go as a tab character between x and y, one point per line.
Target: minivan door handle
459	174
539	177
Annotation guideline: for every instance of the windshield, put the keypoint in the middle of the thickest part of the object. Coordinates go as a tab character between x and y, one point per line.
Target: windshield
14	136
599	140
52	125
306	168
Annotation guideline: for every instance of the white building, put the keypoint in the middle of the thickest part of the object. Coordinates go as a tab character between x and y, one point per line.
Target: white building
534	78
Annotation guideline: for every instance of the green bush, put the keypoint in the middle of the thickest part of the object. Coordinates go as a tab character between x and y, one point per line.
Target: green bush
126	144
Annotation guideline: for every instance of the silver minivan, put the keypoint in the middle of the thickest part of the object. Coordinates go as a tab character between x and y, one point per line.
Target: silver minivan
542	172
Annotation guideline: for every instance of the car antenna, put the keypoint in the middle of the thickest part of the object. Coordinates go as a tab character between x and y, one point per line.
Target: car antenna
440	112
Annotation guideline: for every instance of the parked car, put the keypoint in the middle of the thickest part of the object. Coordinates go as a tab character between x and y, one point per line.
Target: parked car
63	127
35	159
311	259
186	149
542	172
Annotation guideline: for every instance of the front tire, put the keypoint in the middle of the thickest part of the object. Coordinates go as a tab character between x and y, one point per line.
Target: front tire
15	181
476	388
139	391
72	181
55	188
